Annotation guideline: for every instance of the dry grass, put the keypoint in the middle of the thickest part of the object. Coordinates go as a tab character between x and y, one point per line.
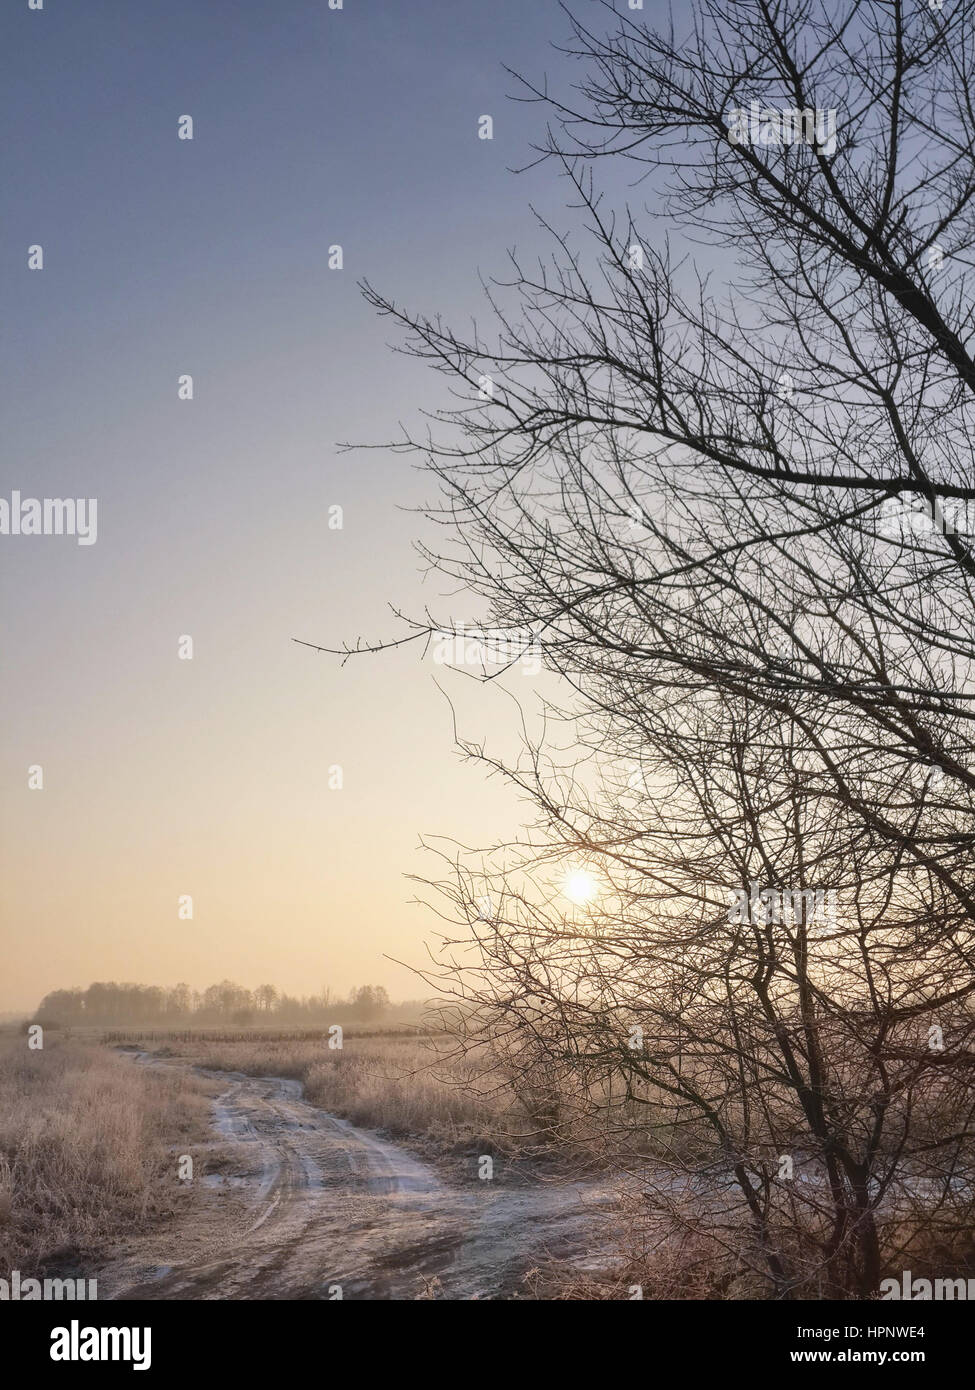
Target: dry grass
426	1089
131	1037
399	1083
87	1148
420	1090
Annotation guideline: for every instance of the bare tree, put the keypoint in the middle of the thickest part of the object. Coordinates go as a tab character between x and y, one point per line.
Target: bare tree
737	522
265	997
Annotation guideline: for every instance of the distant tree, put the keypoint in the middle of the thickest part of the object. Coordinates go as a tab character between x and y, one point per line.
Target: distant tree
64	1004
368	1001
265	997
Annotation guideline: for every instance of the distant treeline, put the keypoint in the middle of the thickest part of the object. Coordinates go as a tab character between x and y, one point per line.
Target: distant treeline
226	1002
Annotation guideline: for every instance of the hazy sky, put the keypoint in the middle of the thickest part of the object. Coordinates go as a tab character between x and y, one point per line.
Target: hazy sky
162	257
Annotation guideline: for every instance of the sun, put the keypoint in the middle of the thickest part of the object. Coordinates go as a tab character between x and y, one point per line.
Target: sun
580	887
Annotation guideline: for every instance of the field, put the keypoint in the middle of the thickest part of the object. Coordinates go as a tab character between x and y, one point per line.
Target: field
89	1141
92	1126
87	1147
417	1087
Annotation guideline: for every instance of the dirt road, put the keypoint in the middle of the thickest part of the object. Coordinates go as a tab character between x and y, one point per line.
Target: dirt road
306	1206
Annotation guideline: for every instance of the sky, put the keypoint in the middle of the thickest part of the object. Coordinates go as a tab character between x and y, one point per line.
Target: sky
163	257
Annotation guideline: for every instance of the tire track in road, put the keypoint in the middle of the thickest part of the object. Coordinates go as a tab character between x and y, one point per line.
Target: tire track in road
314	1203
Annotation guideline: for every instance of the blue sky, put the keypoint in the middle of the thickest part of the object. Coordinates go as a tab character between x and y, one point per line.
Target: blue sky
162	257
